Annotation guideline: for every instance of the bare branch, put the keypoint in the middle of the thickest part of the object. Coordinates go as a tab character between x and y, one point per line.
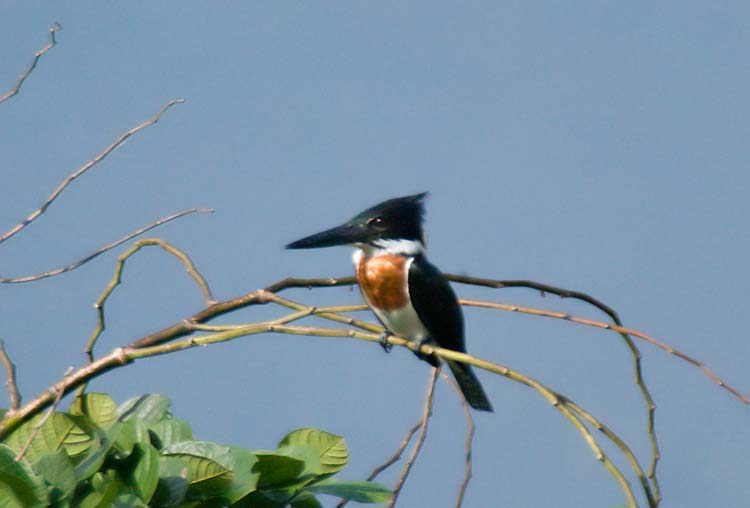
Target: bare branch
420	438
52	197
117	278
52	41
10	378
470	428
392	460
104	249
653	500
616	328
397	454
634	351
183	328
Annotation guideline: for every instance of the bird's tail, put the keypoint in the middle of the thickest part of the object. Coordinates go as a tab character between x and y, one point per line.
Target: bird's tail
470	386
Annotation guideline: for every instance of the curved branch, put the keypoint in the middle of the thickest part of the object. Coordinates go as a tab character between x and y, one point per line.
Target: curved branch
117	278
10	378
622	330
426	413
103	249
93	162
634	351
22	78
184	327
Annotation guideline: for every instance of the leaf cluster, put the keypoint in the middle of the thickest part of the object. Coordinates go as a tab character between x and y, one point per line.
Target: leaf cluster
98	455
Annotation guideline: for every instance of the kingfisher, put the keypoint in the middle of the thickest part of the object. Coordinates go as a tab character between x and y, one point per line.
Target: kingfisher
407	293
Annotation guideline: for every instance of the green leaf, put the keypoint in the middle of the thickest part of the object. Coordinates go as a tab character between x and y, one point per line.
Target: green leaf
170	431
128	501
98	453
258	499
277	470
361	492
330	449
307	502
99	407
105	488
245	478
173	483
150	408
144	477
133	431
56	431
57	471
204	460
80	438
20	487
231	468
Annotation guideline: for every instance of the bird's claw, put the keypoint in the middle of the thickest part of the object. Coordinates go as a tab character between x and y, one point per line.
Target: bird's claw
384	342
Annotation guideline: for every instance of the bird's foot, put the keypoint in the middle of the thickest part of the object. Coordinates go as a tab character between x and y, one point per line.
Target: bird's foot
384	342
429	358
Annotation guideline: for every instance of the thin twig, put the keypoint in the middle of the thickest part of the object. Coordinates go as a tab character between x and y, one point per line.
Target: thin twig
52	41
616	328
40	423
10	378
634	352
427	412
392	460
183	328
105	248
117	278
78	172
470	429
651	495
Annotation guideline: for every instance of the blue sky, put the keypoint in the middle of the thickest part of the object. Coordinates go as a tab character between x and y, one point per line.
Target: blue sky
599	146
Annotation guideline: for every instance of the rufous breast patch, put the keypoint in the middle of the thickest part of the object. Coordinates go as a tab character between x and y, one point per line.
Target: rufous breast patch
383	281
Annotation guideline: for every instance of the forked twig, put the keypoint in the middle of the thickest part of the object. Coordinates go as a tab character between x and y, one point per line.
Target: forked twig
104	249
52	41
10	378
393	458
420	438
93	162
470	429
117	279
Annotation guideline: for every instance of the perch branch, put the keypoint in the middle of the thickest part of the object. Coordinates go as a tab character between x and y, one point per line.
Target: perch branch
183	328
78	172
104	249
22	78
10	378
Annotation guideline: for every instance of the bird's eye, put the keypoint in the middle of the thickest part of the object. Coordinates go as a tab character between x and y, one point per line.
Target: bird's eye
375	220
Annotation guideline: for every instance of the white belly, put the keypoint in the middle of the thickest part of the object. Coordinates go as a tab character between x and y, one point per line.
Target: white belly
403	322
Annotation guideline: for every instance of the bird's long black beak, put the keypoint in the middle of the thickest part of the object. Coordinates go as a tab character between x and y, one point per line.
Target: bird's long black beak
341	235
